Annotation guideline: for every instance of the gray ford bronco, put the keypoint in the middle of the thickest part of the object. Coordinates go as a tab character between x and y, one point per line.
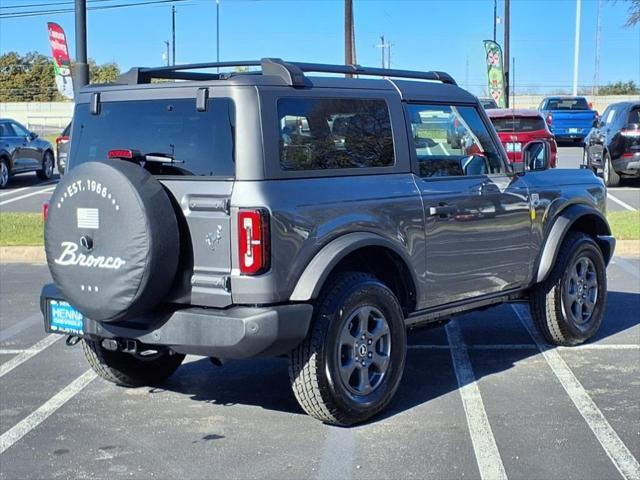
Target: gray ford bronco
270	213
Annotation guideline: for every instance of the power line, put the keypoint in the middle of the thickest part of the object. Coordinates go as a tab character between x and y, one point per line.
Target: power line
49	4
71	10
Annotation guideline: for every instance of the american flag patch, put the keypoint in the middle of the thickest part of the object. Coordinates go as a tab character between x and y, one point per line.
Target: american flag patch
88	218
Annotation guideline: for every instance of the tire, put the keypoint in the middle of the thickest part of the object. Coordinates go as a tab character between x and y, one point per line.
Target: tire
319	367
5	173
119	260
568	306
611	178
130	370
47	167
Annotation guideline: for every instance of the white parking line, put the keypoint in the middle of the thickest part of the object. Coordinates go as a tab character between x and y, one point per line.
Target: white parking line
624	205
26	355
11	436
484	443
13	330
37	192
617	451
11	192
337	456
13	351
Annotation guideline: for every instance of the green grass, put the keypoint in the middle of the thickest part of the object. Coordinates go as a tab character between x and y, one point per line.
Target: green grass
23	229
625	225
51	138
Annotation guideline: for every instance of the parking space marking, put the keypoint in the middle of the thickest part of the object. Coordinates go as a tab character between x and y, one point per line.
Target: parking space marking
26	195
615	449
626	266
337	456
11	436
484	443
11	192
18	327
624	205
31	352
13	351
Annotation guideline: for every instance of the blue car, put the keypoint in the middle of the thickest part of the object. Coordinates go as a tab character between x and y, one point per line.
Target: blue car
569	118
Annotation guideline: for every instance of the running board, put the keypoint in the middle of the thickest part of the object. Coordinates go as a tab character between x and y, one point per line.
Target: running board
441	312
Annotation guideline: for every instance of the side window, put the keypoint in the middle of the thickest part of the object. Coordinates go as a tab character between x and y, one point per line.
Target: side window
6	130
452	141
609	116
324	133
20	130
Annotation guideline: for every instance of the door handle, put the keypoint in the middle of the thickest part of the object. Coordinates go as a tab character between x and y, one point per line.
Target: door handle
442	210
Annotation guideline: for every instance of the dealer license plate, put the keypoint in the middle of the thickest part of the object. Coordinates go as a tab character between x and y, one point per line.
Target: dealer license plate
574	130
63	318
514	147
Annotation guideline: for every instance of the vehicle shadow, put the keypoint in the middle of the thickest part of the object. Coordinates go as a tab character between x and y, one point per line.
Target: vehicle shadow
429	372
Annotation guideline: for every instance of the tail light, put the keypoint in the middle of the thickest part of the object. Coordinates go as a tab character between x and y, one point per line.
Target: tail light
628	132
549	119
62	139
45	211
122	153
253	240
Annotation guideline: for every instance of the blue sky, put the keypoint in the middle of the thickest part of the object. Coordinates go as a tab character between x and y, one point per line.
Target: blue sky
425	34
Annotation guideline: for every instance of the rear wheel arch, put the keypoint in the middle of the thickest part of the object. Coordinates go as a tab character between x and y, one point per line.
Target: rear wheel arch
574	218
353	252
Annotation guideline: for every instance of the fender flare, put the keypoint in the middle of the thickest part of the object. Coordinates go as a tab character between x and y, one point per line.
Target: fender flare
561	225
320	267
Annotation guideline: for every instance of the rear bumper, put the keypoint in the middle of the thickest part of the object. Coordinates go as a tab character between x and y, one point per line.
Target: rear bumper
237	332
629	166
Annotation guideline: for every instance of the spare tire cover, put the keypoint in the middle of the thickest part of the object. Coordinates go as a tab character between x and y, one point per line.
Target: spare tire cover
111	240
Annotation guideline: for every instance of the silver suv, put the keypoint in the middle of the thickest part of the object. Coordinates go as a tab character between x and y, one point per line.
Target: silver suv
267	213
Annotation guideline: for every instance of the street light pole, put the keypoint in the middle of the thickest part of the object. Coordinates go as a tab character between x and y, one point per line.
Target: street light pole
81	69
218	33
576	50
506	59
166	42
495	18
173	34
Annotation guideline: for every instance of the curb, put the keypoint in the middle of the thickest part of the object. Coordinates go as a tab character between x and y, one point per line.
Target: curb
624	248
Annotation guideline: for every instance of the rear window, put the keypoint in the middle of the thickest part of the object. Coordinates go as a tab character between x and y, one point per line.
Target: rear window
200	143
567	104
518	124
323	133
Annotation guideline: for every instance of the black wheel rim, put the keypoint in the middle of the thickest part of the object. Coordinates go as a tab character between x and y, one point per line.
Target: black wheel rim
364	350
48	166
580	293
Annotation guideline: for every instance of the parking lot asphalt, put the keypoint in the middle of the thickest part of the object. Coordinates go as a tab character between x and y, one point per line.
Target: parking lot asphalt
26	193
480	398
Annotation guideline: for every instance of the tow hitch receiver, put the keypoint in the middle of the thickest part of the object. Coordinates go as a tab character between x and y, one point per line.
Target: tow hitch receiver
125	346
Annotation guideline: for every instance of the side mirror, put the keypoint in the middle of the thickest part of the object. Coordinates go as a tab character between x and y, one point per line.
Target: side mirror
32	136
596	122
518	168
536	156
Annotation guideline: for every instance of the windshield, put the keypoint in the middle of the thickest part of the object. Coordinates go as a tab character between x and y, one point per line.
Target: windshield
194	143
567	104
518	124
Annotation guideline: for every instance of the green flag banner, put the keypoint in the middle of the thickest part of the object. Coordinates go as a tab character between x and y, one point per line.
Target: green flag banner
495	72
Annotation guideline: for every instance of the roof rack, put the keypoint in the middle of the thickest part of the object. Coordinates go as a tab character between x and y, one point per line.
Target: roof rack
291	72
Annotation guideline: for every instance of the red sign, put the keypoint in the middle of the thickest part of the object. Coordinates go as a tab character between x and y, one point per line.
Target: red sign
61	60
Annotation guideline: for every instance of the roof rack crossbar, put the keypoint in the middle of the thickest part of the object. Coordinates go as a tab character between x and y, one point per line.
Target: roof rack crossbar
291	72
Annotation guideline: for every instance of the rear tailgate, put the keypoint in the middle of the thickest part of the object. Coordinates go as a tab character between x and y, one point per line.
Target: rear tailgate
577	122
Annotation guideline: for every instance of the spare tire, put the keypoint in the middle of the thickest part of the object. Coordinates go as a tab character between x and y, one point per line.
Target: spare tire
112	240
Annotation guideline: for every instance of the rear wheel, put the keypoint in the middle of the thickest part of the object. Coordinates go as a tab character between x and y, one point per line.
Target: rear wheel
350	365
568	306
47	167
4	173
611	178
131	370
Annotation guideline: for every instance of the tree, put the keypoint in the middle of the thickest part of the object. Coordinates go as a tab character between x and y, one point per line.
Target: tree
620	88
634	13
105	73
27	78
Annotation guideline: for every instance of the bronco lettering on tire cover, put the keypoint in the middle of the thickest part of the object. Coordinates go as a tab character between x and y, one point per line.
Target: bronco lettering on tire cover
111	239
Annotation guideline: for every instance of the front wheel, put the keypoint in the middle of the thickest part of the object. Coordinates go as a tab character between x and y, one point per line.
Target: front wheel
4	173
131	370
568	306
350	365
611	178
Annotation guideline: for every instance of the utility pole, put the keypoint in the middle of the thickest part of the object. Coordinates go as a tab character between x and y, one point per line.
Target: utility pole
495	18
173	34
576	50
349	53
81	69
596	71
218	33
385	51
505	60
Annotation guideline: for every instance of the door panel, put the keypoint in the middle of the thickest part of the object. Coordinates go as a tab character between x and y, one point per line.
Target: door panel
477	217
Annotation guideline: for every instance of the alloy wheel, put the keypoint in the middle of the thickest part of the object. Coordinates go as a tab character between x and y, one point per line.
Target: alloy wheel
581	291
